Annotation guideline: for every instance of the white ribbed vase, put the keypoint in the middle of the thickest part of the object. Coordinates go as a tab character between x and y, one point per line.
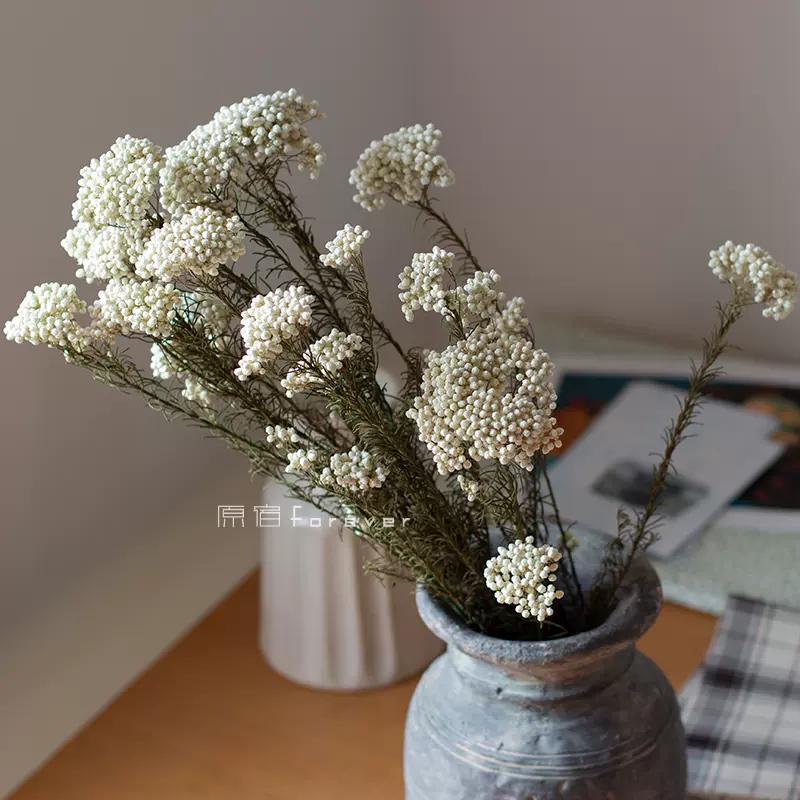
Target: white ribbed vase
325	623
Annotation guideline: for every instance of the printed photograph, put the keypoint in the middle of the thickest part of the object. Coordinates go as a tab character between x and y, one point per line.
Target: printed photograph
630	482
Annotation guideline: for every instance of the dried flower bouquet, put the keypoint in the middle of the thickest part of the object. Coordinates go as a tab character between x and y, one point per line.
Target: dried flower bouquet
281	359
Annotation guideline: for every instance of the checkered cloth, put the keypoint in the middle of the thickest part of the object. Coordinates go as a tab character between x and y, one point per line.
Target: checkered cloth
742	708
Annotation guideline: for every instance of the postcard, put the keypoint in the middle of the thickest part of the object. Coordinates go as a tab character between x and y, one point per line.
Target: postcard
772	501
611	463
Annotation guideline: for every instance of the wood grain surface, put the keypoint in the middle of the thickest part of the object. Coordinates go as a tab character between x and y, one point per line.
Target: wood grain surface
210	721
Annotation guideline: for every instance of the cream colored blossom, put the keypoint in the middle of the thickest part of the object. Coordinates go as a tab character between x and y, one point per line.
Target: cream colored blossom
116	188
270	320
488	396
48	315
421	284
356	470
523	575
198	242
401	166
345	248
756	273
198	170
129	306
326	356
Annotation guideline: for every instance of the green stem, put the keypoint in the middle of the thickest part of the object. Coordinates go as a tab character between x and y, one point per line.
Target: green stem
702	376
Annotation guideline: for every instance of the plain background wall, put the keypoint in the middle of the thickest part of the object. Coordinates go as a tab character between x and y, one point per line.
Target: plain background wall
601	149
84	468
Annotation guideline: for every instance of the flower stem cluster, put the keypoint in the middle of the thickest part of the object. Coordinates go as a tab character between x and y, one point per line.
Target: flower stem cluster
129	306
48	315
197	242
270	320
281	436
322	361
163	232
200	169
753	271
487	396
344	251
421	286
356	470
401	166
523	575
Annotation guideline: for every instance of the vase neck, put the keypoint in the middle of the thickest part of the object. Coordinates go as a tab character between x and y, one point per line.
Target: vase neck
546	681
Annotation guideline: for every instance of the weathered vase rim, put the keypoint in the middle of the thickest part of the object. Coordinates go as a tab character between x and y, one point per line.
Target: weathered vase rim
638	604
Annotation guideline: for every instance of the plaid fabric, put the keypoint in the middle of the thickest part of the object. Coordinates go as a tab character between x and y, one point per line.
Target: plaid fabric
741	709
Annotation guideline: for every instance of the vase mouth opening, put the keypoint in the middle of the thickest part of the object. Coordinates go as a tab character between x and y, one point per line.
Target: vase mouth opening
636	607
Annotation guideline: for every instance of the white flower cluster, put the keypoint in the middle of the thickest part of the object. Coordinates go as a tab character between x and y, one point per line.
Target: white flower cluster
111	210
469	486
355	470
478	295
421	283
401	165
47	315
302	460
207	315
487	396
281	436
161	365
116	188
270	320
326	355
345	248
127	306
512	319
523	575
754	271
107	252
196	392
198	169
198	242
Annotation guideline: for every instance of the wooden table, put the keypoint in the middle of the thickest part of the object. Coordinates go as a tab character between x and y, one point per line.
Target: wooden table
211	721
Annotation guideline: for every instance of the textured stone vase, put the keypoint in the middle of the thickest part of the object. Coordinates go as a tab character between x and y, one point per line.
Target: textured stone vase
586	717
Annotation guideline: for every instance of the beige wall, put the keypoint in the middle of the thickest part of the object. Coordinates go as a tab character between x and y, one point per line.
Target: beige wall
601	149
83	468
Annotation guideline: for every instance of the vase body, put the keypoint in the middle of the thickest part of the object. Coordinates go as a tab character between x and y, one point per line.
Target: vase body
586	717
325	623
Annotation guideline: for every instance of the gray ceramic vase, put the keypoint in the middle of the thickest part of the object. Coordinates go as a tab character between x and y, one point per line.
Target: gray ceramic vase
581	718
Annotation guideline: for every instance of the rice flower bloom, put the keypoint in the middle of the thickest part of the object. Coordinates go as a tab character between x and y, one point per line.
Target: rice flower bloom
301	461
270	320
753	271
198	242
523	575
356	470
477	297
469	486
488	396
47	315
116	188
196	392
281	436
105	252
421	285
327	356
197	171
344	250
401	165
161	364
130	306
